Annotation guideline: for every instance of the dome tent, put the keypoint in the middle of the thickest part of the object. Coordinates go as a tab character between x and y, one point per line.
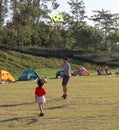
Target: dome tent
82	71
6	77
59	73
28	75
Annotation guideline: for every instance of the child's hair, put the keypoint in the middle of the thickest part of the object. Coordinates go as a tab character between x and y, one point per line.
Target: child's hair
40	82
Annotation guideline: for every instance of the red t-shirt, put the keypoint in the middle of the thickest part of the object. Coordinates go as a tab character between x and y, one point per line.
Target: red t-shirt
40	91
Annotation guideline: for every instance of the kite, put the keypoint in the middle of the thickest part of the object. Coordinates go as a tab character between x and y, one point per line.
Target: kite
56	18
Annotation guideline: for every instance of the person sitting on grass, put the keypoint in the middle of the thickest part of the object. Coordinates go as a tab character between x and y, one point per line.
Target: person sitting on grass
40	93
106	68
100	71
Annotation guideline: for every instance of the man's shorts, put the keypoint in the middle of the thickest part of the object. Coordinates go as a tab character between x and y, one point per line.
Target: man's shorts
65	80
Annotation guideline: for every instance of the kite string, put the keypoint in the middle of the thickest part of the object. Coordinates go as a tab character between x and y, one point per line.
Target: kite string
49	33
48	36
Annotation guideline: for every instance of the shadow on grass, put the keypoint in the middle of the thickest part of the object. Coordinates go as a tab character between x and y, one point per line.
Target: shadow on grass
56	107
59	101
14	105
32	120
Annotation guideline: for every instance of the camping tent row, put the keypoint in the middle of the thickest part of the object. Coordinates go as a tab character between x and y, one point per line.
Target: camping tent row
6	77
82	71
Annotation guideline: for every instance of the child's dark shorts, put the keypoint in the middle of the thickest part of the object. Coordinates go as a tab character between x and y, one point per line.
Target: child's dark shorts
65	80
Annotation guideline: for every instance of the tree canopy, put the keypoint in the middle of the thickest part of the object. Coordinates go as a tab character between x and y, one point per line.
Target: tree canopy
29	23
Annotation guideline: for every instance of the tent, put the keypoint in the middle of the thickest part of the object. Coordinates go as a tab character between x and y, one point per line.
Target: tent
82	71
6	77
59	73
28	75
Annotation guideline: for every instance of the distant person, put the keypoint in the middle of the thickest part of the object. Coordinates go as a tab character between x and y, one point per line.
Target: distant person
106	68
40	93
100	71
116	73
66	75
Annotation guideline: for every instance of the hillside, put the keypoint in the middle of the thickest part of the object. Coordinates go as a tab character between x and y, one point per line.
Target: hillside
111	59
17	61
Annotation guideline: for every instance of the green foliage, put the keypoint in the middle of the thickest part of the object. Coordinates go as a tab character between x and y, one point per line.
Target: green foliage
21	37
56	39
31	24
90	37
39	36
78	11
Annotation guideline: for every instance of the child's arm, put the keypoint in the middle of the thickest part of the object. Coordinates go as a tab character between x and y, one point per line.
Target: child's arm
35	97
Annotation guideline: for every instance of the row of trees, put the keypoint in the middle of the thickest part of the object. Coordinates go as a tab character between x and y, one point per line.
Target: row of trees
27	23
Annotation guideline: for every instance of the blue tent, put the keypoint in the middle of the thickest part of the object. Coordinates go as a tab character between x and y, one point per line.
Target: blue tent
59	73
28	75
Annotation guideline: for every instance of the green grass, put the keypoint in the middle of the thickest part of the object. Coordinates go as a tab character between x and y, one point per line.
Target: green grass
16	62
92	104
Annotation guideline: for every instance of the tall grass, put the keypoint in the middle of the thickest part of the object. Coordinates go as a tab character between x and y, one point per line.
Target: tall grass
92	104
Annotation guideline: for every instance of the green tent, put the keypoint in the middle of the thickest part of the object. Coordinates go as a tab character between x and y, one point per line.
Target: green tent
28	75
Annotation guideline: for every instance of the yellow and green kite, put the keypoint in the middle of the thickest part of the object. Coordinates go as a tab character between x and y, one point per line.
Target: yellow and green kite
57	18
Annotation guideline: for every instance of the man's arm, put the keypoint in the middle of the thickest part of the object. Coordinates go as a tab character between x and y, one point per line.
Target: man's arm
58	65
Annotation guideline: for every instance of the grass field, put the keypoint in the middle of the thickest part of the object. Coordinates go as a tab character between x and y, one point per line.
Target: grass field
92	104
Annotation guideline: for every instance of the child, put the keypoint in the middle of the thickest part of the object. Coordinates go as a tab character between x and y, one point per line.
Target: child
40	95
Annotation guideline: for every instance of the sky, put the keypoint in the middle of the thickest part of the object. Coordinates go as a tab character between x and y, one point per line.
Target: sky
112	5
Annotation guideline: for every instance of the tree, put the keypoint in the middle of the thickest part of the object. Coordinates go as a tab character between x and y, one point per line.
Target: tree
90	37
66	30
113	38
105	22
27	15
115	19
3	11
78	14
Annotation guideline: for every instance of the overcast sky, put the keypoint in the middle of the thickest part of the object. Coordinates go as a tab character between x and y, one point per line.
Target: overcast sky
112	5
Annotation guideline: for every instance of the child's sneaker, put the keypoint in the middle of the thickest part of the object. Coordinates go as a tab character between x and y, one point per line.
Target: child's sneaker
41	114
64	96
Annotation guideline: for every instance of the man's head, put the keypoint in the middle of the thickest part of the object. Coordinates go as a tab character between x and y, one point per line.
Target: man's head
65	59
